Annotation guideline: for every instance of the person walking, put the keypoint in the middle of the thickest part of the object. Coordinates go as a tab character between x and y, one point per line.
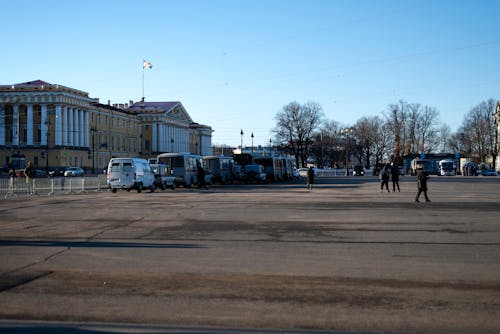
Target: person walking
310	178
422	184
201	175
384	178
29	173
12	175
395	177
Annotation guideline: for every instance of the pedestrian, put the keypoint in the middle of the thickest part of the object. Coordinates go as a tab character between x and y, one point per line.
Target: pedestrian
395	177
12	175
29	173
310	178
201	175
422	177
384	178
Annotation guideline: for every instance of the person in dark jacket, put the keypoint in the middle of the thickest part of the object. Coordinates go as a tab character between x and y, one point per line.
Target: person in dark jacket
422	184
29	173
395	177
384	178
310	178
201	175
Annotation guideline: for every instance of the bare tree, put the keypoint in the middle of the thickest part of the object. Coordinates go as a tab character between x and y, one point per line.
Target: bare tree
444	139
426	132
295	126
477	131
395	122
327	147
413	128
382	142
367	132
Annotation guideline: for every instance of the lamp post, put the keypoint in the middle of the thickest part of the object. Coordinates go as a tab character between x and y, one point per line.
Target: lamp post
241	146
346	133
252	142
270	147
47	146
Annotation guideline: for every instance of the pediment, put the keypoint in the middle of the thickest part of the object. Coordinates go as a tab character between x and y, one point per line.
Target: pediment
178	112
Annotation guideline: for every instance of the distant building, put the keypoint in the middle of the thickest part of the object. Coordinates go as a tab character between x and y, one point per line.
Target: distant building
167	127
54	125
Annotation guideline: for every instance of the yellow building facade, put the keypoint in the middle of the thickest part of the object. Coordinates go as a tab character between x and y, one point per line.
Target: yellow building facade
53	125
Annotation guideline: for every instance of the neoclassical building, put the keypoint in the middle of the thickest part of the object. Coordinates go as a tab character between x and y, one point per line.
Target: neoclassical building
54	125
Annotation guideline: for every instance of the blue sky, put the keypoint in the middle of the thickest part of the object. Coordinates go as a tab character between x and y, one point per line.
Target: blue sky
235	64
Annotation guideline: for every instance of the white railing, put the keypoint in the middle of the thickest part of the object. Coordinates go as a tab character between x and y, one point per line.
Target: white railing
51	186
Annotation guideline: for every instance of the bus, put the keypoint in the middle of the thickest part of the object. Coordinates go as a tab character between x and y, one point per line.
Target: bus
220	168
290	171
273	167
183	167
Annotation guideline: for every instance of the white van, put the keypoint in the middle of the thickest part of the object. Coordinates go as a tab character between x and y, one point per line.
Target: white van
130	173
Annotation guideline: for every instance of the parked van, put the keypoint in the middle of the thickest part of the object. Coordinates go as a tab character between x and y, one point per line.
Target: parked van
130	173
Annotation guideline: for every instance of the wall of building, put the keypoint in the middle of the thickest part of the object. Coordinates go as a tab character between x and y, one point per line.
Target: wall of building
54	125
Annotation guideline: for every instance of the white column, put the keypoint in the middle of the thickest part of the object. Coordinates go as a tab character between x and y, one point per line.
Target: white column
29	125
81	129
162	138
65	128
59	122
2	125
76	130
71	123
44	120
86	132
15	125
154	135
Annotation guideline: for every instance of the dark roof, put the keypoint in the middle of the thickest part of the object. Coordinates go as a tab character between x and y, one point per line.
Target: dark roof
159	106
33	83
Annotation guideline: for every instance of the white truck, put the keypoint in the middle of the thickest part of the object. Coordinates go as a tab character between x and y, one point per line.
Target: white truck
130	173
446	167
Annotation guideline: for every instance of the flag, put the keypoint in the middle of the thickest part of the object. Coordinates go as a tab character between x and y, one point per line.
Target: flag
147	64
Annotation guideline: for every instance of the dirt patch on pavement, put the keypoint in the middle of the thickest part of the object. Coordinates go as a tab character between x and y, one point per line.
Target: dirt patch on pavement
261	301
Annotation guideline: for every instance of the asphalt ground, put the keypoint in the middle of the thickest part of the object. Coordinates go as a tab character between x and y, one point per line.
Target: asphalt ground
343	257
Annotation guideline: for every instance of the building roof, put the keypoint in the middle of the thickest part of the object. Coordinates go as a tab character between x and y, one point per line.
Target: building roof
33	83
154	106
40	85
172	108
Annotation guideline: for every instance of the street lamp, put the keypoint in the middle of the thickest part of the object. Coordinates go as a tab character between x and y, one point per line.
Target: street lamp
346	133
241	146
252	142
47	123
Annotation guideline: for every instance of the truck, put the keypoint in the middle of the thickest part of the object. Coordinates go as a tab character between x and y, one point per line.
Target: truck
446	167
419	163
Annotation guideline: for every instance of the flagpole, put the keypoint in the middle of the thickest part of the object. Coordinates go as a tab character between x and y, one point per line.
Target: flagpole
143	80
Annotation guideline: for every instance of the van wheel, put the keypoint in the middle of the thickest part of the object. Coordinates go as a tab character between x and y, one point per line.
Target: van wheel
113	190
139	188
152	189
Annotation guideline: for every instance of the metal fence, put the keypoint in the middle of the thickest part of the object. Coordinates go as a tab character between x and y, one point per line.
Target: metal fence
18	186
